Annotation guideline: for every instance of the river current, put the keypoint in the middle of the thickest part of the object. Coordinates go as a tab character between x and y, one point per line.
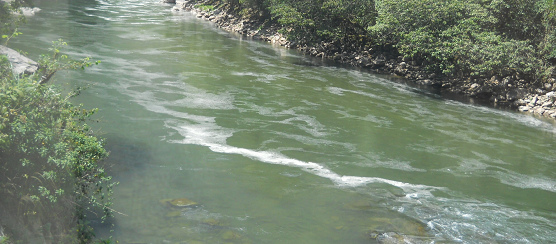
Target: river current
277	147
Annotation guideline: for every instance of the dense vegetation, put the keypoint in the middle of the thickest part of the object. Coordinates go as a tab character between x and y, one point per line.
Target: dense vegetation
453	38
51	175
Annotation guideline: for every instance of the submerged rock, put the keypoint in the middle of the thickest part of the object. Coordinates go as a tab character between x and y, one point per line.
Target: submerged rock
398	224
230	235
212	222
179	203
386	226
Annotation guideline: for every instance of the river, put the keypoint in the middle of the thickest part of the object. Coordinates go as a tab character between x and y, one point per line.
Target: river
277	147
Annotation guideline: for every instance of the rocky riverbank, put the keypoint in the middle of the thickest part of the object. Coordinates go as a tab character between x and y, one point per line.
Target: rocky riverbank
510	91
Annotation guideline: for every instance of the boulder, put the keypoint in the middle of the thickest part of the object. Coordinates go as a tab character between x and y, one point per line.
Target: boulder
524	108
26	11
179	203
551	96
20	64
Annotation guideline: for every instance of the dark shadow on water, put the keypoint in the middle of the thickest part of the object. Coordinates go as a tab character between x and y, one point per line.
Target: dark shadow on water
126	157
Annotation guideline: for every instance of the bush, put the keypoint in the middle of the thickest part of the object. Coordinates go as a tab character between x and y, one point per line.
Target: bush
325	20
466	38
49	160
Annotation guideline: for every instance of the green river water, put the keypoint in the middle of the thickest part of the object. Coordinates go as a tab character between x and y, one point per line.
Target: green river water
277	147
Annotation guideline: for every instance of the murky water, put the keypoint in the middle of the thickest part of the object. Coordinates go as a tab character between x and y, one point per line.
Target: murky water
277	148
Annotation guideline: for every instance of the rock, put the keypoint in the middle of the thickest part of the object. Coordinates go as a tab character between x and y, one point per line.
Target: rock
212	222
534	101
28	12
400	71
551	96
547	104
539	111
20	64
230	235
425	82
379	62
179	203
390	237
507	81
169	1
521	102
524	108
549	113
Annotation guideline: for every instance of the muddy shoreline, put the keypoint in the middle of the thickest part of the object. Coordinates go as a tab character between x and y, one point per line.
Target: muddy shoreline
510	92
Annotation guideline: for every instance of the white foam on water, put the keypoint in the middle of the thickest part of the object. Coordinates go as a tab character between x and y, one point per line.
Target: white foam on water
378	120
522	118
214	138
374	161
203	131
460	219
479	167
316	141
336	90
262	77
199	99
312	126
527	182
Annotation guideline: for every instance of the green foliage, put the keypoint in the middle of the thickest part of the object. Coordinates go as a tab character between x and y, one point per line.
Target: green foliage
466	38
332	20
49	160
56	61
296	25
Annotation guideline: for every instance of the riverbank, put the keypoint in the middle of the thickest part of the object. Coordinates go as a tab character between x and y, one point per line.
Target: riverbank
511	91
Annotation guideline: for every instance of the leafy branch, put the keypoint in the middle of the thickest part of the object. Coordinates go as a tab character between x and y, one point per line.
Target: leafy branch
56	61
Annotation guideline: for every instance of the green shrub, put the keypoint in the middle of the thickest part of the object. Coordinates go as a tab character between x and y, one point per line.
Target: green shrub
49	160
324	20
466	38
